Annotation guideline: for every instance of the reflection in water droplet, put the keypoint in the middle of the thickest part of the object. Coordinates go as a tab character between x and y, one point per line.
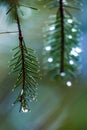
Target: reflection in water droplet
22	92
50	59
69	83
25	110
48	48
62	74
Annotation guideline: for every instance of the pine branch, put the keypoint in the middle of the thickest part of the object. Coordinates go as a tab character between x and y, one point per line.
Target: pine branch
54	4
26	65
62	36
24	61
61	51
22	51
8	32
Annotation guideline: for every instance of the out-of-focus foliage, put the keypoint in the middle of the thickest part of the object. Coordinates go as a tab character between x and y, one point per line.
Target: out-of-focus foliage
24	62
61	48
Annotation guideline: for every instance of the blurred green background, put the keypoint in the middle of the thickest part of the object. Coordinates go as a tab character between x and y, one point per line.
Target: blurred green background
57	107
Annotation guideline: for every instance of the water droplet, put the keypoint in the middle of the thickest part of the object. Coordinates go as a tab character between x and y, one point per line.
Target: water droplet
73	52
48	48
62	74
50	59
71	62
70	36
24	109
64	1
74	30
22	92
52	28
78	50
69	83
69	20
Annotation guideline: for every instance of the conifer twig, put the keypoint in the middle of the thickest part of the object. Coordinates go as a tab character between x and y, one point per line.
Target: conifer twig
26	64
61	51
62	35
